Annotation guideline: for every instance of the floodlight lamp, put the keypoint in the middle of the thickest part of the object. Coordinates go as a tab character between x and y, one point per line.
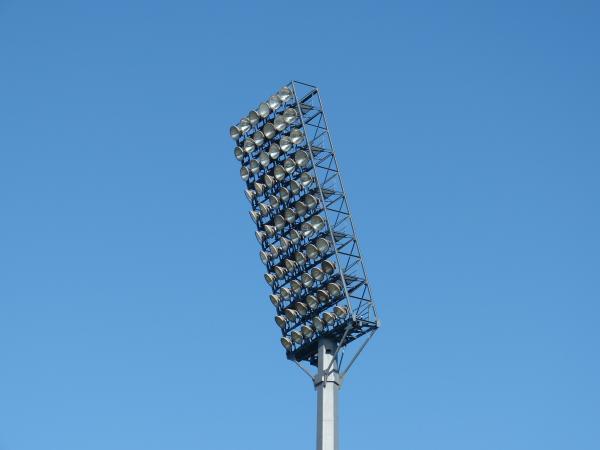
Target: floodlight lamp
296	136
334	289
317	274
307	280
269	130
245	125
284	94
275	299
290	314
274	150
264	159
264	110
340	311
281	321
238	152
290	115
274	102
297	337
279	123
286	342
328	267
259	138
286	293
285	143
329	317
253	117
312	301
245	173
302	308
235	133
307	331
296	286
318	324
302	158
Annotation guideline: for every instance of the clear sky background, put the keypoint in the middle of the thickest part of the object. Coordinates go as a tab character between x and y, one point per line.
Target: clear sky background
133	313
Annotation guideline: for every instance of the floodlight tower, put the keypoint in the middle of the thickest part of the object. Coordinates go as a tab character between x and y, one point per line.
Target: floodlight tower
308	244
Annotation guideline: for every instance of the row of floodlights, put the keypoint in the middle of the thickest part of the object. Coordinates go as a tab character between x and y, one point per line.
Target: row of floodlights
316	325
312	252
262	112
284	145
279	172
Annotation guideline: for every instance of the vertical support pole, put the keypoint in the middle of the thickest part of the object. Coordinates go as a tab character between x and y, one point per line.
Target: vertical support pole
327	384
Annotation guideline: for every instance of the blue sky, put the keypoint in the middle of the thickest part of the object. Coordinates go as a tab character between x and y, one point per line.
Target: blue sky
133	314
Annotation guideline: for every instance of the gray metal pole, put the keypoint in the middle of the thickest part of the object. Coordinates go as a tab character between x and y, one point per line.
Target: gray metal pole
327	385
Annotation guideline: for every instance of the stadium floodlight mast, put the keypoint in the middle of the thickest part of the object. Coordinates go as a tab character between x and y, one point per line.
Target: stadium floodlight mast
319	285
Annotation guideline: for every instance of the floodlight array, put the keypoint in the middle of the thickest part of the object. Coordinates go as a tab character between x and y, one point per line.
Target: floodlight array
289	206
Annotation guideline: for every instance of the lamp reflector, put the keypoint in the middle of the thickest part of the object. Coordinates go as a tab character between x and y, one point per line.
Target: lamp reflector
269	130
234	132
300	258
264	159
302	158
253	117
289	165
284	195
249	145
290	215
322	245
297	136
275	299
307	280
305	180
318	323
285	143
264	209
295	236
322	296
334	289
284	94
269	180
295	187
290	314
286	342
274	102
297	337
259	138
290	115
238	152
290	265
312	301
306	331
317	274
281	321
300	208
312	251
328	317
340	311
255	216
244	173
245	125
254	166
269	278
279	173
279	222
285	244
280	272
328	267
279	123
250	194
259	188
273	201
274	150
317	222
264	110
311	201
296	286
264	257
302	308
